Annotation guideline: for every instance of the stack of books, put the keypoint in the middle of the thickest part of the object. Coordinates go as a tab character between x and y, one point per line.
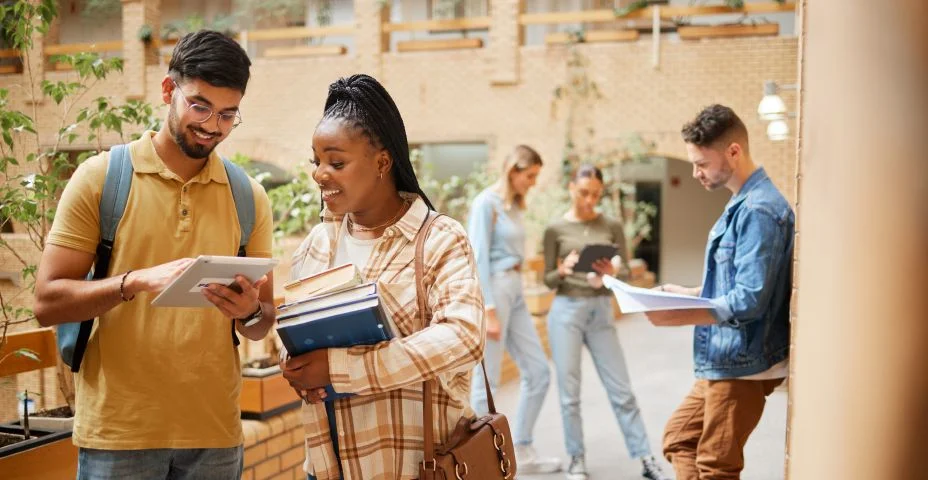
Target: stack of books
331	309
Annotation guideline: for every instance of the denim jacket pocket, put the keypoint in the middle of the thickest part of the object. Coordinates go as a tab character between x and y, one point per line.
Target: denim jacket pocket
724	258
728	347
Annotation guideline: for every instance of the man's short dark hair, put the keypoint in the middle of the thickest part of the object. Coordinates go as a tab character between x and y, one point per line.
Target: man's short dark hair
716	124
212	57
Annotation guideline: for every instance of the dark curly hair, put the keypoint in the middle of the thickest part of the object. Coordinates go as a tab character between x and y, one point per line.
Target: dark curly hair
716	125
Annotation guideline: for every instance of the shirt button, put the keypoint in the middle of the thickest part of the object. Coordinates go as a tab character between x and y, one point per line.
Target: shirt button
184	212
184	189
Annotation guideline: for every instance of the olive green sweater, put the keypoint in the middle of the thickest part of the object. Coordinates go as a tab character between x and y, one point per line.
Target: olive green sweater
562	236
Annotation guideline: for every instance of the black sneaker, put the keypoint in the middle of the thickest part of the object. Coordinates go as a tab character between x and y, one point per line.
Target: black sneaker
651	469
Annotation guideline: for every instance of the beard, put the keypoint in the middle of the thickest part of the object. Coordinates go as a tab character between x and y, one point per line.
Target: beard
721	179
190	149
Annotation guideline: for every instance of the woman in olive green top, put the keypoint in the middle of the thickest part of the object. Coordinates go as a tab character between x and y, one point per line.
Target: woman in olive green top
582	315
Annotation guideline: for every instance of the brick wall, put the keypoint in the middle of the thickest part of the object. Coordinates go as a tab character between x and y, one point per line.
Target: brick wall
274	448
448	96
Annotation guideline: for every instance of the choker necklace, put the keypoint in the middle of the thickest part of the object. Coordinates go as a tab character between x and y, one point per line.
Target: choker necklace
354	227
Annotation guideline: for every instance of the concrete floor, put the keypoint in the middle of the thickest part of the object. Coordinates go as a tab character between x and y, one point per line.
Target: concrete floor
660	364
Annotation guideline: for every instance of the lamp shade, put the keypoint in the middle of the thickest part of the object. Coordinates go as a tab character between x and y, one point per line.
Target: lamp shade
771	107
778	130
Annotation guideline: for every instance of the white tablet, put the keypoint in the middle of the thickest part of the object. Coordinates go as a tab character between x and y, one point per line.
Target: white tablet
185	290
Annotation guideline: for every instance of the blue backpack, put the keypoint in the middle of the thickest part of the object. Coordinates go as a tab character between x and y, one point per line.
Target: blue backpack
72	338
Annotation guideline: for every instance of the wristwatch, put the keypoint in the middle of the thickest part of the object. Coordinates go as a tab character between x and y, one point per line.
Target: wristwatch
253	318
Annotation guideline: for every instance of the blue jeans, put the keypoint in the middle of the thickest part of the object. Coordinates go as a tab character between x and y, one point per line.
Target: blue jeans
160	464
520	337
572	323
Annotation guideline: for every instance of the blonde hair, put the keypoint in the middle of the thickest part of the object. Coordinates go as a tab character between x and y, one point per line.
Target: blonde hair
520	159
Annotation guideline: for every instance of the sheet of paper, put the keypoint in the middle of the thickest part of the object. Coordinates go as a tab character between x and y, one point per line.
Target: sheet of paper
634	299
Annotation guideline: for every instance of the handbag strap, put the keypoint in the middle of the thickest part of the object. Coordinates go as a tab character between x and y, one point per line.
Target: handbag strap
421	300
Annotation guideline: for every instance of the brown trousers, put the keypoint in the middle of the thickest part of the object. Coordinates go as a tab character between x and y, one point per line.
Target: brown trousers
704	439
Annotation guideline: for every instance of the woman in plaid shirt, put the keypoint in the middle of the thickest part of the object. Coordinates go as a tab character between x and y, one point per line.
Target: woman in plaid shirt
373	210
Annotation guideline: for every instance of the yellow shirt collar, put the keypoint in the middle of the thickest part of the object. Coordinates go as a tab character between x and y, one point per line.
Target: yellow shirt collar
145	159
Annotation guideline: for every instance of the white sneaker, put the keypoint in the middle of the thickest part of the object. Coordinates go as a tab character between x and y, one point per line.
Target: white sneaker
528	461
577	468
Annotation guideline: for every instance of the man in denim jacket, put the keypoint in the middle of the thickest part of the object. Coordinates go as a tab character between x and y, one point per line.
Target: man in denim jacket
741	347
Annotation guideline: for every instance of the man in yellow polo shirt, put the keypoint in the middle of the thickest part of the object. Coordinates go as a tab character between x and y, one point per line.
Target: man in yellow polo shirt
158	389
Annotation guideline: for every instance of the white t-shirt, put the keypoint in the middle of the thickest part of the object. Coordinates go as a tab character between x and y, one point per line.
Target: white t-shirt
353	250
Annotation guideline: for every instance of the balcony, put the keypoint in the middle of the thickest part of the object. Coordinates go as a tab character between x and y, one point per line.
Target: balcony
344	29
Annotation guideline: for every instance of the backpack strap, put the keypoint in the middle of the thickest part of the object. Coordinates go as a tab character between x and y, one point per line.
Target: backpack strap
244	201
112	207
115	193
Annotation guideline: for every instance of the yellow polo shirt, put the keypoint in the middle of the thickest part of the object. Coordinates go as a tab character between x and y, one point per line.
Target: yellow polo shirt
159	377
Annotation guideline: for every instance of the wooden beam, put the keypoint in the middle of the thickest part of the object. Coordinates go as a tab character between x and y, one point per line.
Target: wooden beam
10	53
749	8
7	69
70	49
41	341
608	15
594	36
474	23
727	31
305	51
429	45
586	16
299	32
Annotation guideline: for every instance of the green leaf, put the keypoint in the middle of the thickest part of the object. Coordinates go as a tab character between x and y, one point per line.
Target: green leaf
27	353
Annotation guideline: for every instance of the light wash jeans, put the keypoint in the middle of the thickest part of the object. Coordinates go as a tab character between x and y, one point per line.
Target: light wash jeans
572	323
520	338
160	464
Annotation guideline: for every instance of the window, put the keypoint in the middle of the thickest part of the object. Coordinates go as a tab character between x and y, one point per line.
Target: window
445	9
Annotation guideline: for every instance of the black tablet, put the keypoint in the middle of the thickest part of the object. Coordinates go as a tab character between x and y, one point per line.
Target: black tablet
592	253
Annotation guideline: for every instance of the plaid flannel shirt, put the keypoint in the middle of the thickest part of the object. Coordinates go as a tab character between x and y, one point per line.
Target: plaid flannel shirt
380	429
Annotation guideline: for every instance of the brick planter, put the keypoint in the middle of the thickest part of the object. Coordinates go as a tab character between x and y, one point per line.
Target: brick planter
274	447
265	394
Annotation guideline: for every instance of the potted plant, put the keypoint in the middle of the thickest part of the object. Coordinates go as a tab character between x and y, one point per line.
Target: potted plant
33	350
29	451
146	35
743	27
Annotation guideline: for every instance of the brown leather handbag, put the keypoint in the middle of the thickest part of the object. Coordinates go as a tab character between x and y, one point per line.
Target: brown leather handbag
478	448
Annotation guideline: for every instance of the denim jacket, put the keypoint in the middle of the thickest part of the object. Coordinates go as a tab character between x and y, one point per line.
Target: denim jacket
748	276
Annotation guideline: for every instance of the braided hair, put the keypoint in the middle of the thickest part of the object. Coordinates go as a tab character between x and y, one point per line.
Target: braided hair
363	103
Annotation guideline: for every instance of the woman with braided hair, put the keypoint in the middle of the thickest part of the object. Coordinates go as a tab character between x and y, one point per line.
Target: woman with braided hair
373	209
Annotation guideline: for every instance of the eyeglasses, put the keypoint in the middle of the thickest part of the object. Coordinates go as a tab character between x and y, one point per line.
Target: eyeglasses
202	113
